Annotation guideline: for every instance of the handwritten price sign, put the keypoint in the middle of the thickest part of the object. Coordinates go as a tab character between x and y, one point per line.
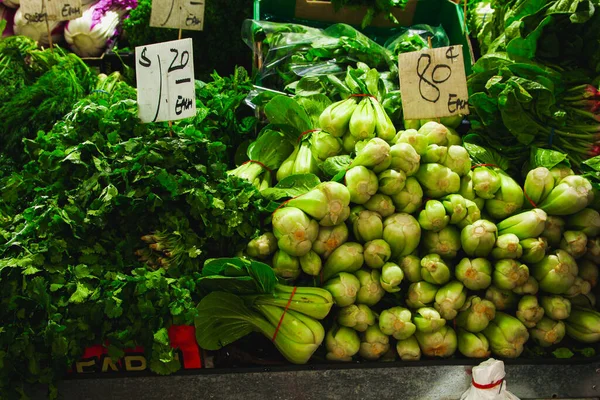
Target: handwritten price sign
178	14
55	10
165	80
433	83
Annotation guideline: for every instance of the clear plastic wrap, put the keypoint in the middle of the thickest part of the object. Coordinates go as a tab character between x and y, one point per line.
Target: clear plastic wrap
286	52
415	38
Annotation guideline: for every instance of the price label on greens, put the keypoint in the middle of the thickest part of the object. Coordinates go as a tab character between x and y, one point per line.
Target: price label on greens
55	10
165	81
433	83
179	14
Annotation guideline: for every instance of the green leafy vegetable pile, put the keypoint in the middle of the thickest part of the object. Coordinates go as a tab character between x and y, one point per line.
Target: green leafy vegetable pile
537	82
38	86
427	246
534	104
111	231
104	230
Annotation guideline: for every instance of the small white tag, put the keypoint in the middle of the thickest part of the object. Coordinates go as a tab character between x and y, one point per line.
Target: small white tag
178	14
165	81
56	10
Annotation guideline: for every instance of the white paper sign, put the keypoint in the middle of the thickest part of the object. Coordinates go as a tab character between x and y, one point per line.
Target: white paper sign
165	81
56	10
433	83
178	14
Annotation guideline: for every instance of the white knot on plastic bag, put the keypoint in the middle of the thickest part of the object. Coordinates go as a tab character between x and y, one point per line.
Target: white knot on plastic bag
488	382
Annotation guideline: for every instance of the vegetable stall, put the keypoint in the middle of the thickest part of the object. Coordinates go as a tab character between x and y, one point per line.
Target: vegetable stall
299	223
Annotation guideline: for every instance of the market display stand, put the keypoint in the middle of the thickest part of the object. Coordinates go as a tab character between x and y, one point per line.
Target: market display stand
579	381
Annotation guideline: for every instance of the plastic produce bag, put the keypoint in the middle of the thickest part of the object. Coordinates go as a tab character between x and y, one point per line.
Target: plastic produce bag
287	52
488	383
415	39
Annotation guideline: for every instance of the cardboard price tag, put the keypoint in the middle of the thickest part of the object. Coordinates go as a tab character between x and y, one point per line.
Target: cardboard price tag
165	81
55	10
433	83
178	14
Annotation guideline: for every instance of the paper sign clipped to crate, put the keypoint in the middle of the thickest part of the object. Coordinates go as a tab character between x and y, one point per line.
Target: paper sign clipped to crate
433	83
56	10
165	81
178	14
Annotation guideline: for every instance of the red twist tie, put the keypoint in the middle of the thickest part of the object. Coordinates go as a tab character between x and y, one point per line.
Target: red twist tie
283	315
306	133
364	95
529	200
485	165
259	163
284	203
488	385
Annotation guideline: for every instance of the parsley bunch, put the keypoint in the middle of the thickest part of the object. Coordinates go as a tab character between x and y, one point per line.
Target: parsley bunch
72	224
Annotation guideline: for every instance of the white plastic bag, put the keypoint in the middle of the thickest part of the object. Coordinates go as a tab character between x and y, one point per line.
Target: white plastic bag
488	383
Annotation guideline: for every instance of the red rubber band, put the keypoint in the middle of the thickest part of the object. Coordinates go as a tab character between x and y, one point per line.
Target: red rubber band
259	163
487	386
529	200
306	133
484	165
283	315
364	95
284	203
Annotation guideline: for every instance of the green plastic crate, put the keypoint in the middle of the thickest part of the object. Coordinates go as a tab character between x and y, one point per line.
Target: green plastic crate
320	14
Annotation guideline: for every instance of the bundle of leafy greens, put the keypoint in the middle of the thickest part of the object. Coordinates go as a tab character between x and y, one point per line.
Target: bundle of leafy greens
244	296
38	87
480	20
537	81
557	33
221	109
534	104
13	50
416	38
215	48
288	51
104	231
